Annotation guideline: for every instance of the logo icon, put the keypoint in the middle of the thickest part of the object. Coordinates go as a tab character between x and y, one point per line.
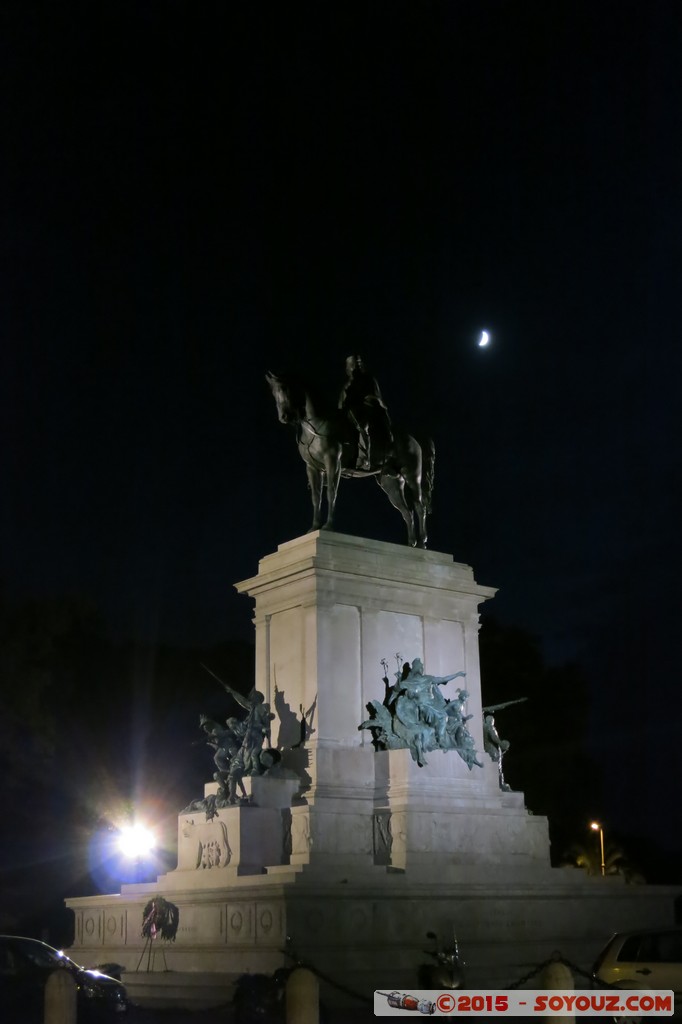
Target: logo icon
446	1002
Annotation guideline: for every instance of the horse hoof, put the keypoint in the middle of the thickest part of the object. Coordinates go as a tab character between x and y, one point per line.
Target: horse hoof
329	527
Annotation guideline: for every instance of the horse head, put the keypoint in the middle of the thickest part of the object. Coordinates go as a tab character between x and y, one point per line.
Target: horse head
288	410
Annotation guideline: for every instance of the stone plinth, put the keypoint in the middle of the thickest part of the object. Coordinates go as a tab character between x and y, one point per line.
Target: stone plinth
239	840
244	838
365	930
270	790
443	815
328	609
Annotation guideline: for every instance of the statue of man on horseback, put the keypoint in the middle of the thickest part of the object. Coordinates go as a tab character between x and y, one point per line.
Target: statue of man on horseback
361	400
356	440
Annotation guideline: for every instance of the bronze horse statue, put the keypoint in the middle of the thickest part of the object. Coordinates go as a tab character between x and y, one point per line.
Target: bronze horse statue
328	444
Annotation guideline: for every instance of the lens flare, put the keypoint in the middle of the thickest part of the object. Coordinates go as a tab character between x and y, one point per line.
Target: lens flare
136	841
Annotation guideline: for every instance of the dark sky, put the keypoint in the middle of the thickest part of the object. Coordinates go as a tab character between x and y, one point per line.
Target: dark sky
193	194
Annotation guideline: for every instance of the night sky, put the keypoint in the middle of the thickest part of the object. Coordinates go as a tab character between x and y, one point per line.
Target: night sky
193	194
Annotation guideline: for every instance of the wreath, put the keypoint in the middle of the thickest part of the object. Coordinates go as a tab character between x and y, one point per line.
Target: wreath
160	917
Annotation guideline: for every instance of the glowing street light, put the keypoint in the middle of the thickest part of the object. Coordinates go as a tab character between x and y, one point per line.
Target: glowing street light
136	841
596	827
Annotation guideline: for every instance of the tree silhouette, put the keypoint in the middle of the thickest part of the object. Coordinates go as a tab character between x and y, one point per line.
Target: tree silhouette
587	856
93	731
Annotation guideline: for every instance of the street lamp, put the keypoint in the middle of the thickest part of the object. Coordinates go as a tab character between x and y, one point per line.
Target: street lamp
596	827
136	841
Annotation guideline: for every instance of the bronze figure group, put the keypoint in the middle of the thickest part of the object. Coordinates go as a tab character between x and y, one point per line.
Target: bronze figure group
238	749
416	715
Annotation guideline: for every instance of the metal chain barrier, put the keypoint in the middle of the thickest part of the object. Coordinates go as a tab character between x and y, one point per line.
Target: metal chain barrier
558	958
325	977
555	958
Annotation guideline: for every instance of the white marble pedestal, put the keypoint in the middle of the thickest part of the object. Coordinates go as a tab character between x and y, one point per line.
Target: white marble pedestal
364	851
328	609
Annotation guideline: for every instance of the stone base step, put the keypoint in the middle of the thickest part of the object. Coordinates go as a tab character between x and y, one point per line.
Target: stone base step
159	989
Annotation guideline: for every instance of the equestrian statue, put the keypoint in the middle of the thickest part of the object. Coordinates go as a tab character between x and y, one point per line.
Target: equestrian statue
357	439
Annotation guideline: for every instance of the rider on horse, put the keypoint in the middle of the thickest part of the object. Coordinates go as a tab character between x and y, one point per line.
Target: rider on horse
361	399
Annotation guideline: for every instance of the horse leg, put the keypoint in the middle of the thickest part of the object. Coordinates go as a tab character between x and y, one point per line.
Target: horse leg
315	485
413	482
394	488
419	513
333	473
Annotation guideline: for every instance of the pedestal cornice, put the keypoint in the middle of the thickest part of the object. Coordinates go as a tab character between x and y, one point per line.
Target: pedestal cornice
322	554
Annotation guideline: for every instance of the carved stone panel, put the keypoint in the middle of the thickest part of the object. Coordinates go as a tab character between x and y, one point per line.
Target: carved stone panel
240	922
270	918
383	838
92	928
212	847
301	840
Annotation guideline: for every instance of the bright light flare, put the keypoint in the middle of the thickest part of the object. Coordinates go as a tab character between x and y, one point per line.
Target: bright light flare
484	339
136	841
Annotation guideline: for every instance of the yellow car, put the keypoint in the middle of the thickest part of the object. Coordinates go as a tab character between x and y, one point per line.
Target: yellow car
646	959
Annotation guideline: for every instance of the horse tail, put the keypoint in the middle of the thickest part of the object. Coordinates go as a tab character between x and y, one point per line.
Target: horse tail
428	472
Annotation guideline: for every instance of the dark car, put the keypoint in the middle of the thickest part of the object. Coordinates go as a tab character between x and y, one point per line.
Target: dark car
25	966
